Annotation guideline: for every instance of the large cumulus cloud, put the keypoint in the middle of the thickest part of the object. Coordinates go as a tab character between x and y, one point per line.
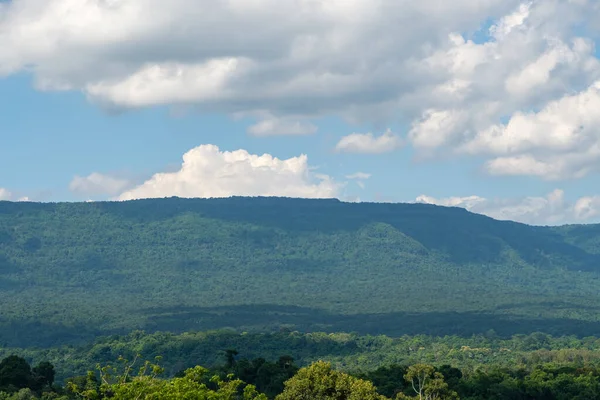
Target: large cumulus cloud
207	171
351	57
464	86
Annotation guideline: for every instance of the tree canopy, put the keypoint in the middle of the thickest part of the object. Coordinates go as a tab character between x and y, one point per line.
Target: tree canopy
70	272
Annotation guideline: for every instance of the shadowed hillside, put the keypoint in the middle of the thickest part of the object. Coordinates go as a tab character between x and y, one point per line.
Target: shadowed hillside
72	271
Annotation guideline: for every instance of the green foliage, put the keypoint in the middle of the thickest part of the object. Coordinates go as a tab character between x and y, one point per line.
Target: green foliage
18	381
72	272
389	380
23	394
268	377
347	352
544	382
321	382
427	383
15	373
43	375
120	384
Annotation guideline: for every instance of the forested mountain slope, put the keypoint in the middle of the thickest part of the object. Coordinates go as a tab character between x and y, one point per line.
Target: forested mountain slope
71	271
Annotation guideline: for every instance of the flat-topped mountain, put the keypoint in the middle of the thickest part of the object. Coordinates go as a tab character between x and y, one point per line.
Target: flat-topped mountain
72	271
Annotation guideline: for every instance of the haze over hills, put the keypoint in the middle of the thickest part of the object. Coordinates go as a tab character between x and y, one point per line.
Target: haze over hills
73	271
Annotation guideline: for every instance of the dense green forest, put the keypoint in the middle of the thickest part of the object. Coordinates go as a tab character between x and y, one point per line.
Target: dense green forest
264	366
347	352
438	303
70	272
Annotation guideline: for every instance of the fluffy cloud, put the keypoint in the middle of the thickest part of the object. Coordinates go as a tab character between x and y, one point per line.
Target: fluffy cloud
208	172
549	210
536	74
587	208
136	53
560	141
368	143
439	66
97	184
436	127
354	58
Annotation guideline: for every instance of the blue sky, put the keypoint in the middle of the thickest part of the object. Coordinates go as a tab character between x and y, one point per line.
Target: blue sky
504	125
51	137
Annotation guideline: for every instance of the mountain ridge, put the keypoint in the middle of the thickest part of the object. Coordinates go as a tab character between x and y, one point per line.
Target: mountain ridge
73	271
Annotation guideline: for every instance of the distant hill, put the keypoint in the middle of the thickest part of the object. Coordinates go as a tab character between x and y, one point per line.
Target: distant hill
72	271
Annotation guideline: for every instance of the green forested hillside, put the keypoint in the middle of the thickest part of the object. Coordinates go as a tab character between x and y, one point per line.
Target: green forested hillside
72	271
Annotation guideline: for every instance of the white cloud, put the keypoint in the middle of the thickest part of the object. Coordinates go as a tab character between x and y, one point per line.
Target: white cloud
368	143
285	56
465	202
552	209
560	141
282	126
359	178
5	194
511	21
537	74
169	83
383	61
208	172
436	127
587	208
97	184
